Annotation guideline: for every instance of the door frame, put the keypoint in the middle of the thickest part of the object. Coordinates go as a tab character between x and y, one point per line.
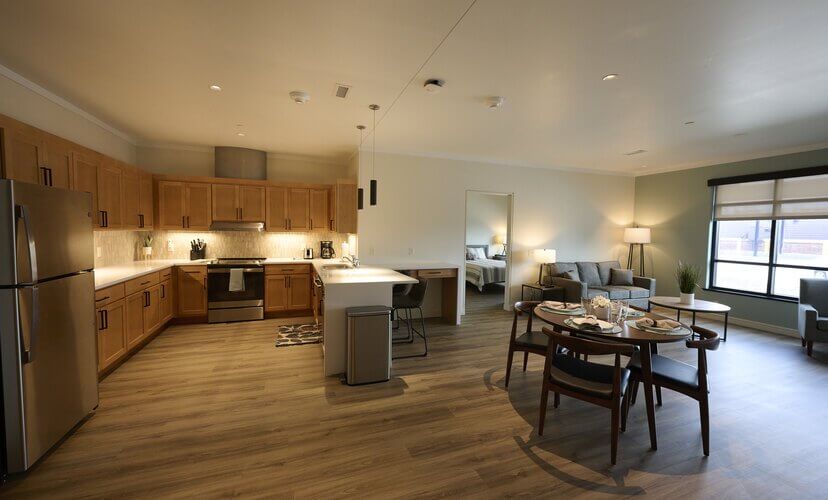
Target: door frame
461	279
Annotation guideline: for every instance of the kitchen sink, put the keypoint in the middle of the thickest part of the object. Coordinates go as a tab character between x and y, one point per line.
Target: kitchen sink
336	267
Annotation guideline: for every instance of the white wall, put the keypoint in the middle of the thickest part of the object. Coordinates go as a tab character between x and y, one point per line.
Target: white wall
198	161
33	105
421	206
486	216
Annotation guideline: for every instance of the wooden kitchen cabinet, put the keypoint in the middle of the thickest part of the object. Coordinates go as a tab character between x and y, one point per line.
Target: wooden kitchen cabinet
298	209
299	292
276	216
276	293
197	204
233	202
112	342
171	205
134	330
145	201
225	202
319	209
166	301
22	152
131	198
85	178
287	287
192	291
110	187
56	160
345	206
184	205
152	309
252	203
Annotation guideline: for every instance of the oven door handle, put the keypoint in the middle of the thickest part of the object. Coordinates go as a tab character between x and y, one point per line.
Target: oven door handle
227	270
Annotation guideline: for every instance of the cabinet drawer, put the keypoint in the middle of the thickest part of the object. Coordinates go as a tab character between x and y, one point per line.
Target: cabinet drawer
138	284
165	274
437	273
109	294
288	269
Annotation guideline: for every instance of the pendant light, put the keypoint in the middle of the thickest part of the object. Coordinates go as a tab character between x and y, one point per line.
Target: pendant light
373	194
360	191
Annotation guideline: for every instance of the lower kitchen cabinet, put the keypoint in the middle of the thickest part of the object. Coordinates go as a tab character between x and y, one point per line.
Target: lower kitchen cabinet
299	292
152	309
192	291
276	292
166	301
134	319
287	288
112	344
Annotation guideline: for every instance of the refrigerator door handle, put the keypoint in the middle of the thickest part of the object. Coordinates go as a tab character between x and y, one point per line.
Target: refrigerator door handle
27	354
23	213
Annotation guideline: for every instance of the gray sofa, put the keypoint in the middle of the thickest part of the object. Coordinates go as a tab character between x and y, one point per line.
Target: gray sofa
813	312
593	278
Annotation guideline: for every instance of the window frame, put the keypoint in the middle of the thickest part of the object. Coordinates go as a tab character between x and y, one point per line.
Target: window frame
771	265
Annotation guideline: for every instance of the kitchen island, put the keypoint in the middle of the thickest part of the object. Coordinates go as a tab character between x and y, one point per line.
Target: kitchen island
343	286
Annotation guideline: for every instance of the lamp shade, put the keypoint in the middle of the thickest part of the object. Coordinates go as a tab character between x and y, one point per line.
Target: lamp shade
637	235
498	239
545	255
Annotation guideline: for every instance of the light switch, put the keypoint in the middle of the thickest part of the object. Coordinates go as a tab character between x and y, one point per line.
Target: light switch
98	252
170	246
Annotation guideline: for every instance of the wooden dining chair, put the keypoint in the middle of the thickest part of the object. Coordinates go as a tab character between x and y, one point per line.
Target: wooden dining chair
599	384
527	342
680	377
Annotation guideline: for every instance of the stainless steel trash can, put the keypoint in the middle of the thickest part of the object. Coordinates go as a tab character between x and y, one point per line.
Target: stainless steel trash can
369	345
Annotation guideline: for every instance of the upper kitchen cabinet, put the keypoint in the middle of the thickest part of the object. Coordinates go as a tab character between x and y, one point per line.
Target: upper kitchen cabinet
276	217
252	203
345	201
184	205
110	177
31	155
319	209
298	209
225	202
56	161
85	178
145	201
131	198
233	202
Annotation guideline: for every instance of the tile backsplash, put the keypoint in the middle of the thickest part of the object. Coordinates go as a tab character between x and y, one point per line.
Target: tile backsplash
121	247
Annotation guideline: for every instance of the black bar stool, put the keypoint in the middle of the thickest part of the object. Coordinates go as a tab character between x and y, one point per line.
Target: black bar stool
407	302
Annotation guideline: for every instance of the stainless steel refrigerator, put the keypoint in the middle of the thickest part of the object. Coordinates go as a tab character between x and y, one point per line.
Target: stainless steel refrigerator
47	318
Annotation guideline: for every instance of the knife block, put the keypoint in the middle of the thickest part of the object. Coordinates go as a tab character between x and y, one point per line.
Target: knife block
198	254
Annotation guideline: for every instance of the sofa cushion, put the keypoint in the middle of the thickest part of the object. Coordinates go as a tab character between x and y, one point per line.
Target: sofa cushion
588	271
615	292
822	324
604	270
636	292
558	268
594	292
623	277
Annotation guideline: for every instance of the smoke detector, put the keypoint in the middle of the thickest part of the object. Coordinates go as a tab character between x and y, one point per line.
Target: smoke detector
434	85
300	96
495	101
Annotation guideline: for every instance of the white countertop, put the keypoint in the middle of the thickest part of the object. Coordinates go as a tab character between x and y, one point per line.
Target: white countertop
408	264
112	275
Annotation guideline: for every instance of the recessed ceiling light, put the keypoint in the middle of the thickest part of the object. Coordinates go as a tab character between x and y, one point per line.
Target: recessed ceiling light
240	134
611	76
215	88
434	85
689	123
300	96
636	152
495	101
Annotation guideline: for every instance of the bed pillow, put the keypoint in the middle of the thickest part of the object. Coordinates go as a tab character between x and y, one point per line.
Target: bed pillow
479	253
470	255
621	277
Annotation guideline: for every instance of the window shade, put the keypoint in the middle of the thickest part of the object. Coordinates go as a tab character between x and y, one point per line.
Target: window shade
785	198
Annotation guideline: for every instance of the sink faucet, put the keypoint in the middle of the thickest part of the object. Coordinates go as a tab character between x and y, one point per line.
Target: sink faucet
352	259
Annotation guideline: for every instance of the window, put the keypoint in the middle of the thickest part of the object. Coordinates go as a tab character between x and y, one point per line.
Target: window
769	231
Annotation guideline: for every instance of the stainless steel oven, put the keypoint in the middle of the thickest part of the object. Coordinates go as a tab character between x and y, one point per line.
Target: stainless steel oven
235	290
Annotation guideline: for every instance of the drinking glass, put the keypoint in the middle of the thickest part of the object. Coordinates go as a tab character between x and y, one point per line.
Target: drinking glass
620	312
586	305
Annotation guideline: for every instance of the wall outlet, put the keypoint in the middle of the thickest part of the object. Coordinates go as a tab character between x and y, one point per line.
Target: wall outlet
410	251
371	250
170	246
98	252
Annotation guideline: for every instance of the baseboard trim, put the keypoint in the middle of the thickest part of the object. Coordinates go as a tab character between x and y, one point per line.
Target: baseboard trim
733	320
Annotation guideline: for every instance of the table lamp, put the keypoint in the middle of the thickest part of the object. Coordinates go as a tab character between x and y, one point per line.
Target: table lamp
637	236
500	239
544	256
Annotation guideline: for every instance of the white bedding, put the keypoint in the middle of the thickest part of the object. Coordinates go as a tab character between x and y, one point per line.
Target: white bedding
480	272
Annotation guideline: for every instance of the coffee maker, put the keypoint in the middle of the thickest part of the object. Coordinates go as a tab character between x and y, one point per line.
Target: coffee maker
326	250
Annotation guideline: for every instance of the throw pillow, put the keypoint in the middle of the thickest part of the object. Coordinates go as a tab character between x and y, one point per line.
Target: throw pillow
479	253
621	277
469	254
570	275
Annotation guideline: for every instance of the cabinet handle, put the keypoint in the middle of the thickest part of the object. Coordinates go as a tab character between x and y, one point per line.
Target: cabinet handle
332	224
183	221
49	172
106	218
106	319
43	176
145	283
286	223
163	291
311	223
140	220
146	299
102	298
100	316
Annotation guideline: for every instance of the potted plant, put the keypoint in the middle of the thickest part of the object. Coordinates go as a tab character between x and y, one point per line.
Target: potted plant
687	277
147	248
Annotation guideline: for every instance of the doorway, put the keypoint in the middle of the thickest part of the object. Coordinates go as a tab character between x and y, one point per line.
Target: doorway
487	252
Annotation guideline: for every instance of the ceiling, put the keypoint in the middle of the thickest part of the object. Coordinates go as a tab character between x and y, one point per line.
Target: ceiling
751	74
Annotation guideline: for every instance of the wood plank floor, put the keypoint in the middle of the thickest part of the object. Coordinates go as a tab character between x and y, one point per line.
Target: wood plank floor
216	410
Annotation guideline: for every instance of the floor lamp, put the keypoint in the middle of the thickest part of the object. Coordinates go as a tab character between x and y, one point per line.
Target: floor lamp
544	256
637	236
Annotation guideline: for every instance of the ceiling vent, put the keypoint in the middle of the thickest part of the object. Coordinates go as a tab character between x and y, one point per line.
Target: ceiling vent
636	152
341	91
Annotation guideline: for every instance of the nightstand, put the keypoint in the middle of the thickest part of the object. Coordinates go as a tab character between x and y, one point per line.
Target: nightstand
534	291
499	257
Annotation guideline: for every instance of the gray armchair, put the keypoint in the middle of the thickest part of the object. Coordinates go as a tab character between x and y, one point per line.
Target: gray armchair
813	312
588	279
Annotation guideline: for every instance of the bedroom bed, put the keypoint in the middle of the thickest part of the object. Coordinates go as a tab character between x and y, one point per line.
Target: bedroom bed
481	270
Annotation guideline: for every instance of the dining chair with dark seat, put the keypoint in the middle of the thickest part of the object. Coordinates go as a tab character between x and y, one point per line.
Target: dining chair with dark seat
408	301
528	341
596	383
680	377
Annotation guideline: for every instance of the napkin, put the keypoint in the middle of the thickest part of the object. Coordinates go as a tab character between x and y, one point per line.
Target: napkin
591	322
553	304
661	323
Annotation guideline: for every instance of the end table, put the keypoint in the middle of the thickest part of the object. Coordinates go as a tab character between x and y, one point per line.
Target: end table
535	291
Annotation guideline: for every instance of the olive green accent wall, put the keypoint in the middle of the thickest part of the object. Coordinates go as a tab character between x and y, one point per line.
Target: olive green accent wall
677	206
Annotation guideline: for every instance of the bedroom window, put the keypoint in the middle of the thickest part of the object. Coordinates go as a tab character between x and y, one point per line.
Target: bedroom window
768	233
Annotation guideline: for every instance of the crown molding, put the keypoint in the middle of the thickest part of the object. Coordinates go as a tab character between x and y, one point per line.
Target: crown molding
56	99
177	147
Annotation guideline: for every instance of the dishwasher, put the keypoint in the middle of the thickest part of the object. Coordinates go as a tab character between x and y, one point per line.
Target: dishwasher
368	345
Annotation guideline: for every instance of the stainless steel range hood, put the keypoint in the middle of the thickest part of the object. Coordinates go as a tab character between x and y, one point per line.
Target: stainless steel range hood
237	226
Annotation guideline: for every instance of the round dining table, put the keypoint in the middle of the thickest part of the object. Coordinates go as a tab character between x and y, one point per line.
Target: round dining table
646	341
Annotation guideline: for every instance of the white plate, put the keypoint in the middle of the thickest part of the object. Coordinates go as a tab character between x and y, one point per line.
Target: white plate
663	331
615	328
568	312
